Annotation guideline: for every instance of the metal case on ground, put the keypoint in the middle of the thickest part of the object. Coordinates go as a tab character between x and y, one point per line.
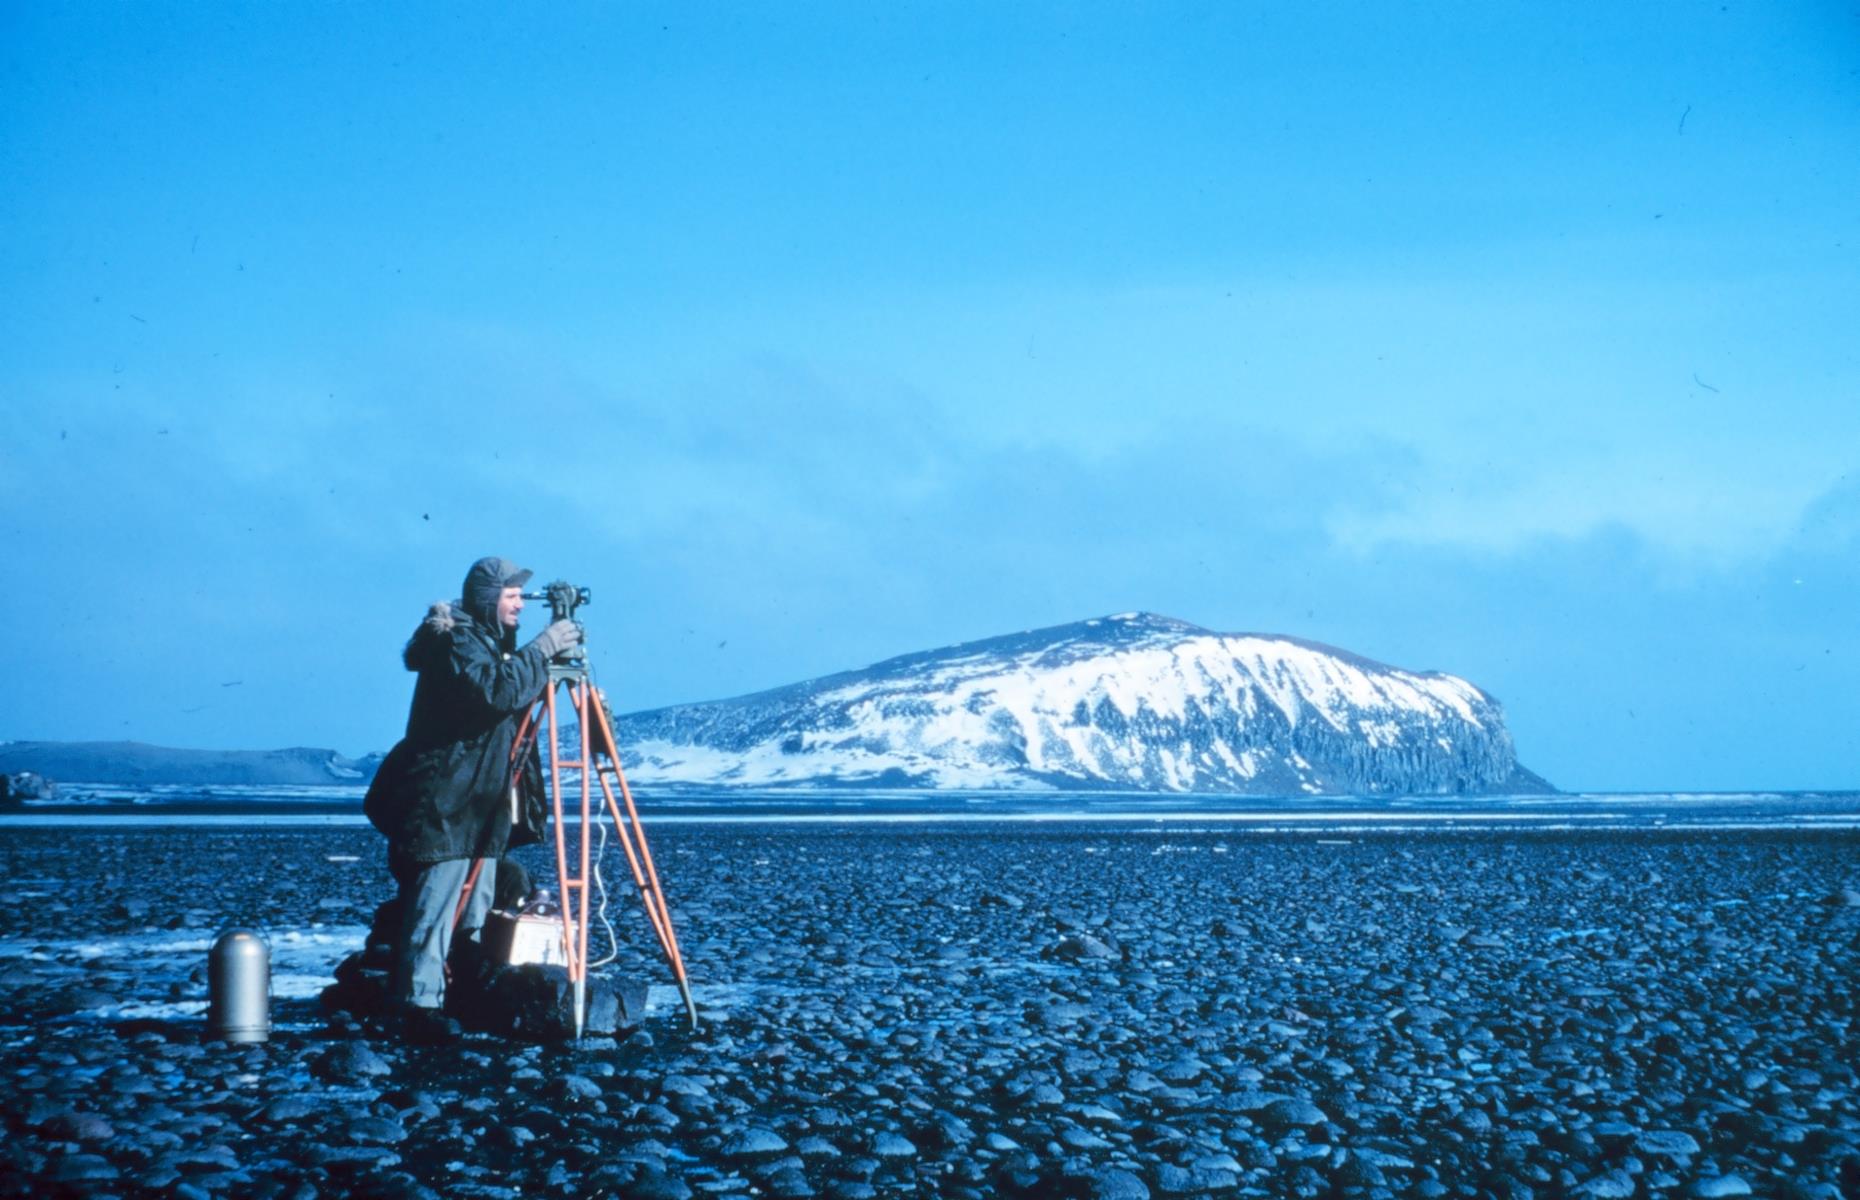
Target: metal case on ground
517	938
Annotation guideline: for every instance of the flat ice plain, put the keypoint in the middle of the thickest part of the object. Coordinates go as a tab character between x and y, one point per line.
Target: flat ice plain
911	995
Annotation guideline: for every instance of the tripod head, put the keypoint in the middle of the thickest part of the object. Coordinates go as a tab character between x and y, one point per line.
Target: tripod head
563	597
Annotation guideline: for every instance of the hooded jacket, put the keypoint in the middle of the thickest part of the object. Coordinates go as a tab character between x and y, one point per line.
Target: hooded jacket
444	791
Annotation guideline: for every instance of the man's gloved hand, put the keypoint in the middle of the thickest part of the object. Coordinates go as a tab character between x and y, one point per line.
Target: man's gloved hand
563	635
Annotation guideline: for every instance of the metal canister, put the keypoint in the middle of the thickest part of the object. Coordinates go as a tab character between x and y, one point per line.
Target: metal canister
239	987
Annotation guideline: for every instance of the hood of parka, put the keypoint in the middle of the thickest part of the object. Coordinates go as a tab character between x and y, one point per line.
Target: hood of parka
484	587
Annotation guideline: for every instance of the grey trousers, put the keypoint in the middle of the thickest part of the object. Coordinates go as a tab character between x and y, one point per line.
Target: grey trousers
427	906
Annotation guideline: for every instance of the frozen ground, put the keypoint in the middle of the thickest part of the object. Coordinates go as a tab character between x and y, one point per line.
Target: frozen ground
976	1008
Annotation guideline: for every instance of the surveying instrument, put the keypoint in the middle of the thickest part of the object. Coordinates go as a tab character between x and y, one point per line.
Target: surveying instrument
597	762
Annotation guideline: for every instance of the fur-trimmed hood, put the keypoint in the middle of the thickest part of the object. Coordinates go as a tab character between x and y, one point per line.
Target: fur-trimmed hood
443	616
476	609
441	619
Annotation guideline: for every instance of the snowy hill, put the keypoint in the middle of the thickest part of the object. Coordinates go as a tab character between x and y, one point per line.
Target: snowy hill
138	763
1134	702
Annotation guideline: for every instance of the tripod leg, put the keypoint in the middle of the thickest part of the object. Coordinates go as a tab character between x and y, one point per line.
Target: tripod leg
627	844
579	695
644	872
571	938
526	733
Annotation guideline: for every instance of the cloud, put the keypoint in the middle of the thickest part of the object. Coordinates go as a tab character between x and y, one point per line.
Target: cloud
1698	510
1831	522
812	518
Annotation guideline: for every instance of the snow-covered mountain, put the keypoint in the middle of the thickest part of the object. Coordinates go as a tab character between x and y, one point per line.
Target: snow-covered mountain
1134	701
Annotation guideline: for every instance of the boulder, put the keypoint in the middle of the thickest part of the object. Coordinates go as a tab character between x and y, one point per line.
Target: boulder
21	786
536	1003
1074	947
361	986
362	979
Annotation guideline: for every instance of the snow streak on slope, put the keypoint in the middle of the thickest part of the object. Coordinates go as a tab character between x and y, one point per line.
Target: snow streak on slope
1131	702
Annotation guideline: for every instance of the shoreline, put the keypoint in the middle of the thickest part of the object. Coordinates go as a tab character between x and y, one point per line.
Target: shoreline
1650	810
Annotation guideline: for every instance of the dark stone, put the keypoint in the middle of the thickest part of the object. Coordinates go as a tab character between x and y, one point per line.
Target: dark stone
1356	1171
658	1186
656	1115
375	1131
78	1127
1667	1143
1078	946
1473	1122
789	1183
359	989
945	1132
428	1027
1607	1185
83	1168
1115	1183
350	1157
350	1062
287	1110
1291	1112
573	1087
754	1143
536	1002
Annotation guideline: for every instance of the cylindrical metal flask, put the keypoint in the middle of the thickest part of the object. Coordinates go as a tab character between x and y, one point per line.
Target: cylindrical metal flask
239	988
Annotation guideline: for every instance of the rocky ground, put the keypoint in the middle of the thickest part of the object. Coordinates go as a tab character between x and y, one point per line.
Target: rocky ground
992	1010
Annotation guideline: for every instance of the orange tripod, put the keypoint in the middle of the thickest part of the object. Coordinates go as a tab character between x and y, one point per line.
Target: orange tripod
599	760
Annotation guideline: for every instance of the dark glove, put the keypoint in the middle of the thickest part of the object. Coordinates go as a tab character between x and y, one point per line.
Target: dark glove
561	636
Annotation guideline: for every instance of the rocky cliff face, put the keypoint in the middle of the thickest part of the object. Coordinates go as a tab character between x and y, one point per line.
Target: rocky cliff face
1136	702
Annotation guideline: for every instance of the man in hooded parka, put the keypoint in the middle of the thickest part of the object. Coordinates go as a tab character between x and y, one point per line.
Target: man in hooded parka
447	795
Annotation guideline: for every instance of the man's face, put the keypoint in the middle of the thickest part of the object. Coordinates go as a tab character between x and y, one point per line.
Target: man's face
510	607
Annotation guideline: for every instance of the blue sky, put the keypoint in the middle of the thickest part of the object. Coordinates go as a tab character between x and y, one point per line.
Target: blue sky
1509	340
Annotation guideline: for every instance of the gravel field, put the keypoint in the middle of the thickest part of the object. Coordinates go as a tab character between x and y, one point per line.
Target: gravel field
951	1010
